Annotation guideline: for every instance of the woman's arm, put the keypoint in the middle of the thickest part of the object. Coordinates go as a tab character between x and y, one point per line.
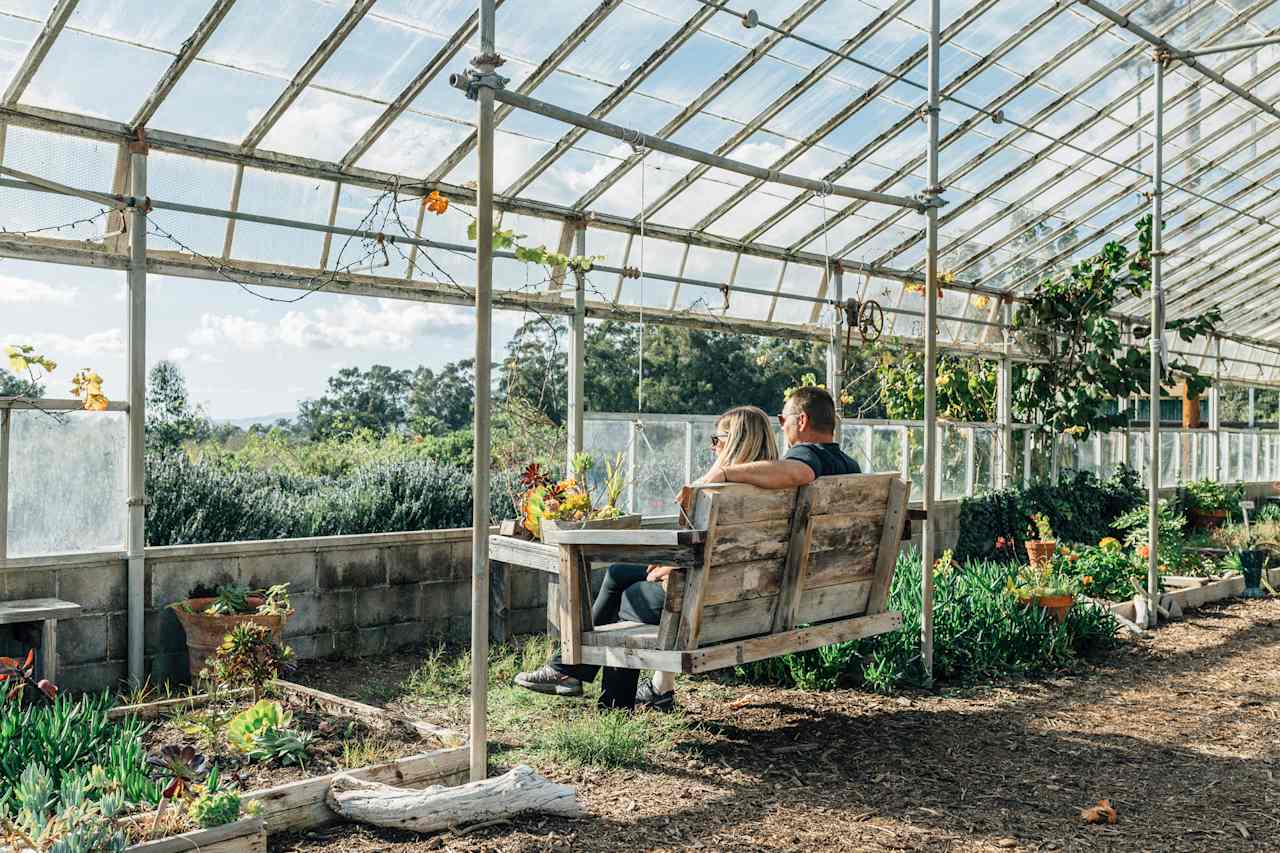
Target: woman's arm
782	474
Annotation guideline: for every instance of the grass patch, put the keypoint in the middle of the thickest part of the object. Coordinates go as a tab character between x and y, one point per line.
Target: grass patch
608	739
364	751
445	675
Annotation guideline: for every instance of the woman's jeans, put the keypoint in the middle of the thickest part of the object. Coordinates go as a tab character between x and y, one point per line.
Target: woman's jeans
625	596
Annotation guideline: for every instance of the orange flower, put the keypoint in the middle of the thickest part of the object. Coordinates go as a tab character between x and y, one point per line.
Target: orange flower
1144	552
1086	580
435	203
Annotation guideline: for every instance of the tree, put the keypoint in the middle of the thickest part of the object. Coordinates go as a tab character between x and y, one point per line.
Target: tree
12	385
442	402
171	418
373	399
536	367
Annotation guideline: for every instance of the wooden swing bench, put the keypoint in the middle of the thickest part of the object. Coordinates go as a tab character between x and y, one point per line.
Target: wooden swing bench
760	573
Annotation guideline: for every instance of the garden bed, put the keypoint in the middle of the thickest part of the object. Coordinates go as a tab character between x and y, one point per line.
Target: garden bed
247	835
1192	592
349	737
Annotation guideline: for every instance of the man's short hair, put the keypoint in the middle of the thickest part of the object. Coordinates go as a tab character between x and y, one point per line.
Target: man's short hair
818	405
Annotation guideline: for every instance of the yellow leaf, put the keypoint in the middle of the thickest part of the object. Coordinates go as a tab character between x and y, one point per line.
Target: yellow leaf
95	403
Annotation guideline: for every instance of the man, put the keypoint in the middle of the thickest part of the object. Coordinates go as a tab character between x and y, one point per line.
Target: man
808	422
633	593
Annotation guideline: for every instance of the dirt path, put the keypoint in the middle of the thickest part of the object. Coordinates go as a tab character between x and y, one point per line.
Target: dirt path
1179	732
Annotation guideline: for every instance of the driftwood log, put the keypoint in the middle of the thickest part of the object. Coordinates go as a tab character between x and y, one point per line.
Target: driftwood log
438	807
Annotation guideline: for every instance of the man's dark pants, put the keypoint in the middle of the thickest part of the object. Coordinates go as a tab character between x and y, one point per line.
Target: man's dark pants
625	596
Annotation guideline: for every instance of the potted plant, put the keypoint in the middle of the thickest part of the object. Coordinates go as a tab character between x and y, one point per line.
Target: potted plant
207	620
1206	503
1040	540
1251	547
1047	584
549	506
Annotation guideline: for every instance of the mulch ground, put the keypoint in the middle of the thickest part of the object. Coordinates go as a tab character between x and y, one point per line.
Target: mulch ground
1177	731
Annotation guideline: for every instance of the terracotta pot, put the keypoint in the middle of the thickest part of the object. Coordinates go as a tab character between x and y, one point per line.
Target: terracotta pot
205	631
1040	552
1207	520
1057	605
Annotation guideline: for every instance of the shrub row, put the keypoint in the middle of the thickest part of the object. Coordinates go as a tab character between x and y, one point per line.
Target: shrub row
980	631
1081	509
197	502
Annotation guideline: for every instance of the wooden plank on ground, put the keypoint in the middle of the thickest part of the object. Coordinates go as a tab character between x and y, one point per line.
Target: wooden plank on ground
799	539
798	640
887	555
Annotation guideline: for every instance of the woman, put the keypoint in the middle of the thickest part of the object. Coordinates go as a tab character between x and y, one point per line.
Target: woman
634	593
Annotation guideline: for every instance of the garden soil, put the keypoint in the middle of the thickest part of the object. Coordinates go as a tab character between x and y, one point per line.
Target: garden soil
1179	732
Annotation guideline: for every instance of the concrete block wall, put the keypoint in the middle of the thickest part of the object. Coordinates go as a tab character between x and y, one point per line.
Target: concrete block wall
354	595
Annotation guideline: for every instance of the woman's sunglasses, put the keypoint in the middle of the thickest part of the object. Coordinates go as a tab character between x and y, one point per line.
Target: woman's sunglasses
717	438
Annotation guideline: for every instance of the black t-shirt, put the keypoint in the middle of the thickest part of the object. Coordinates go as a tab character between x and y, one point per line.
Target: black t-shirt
825	459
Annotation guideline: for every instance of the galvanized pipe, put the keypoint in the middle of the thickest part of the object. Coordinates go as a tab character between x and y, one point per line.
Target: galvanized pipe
1223	48
137	348
577	353
486	64
931	349
1156	339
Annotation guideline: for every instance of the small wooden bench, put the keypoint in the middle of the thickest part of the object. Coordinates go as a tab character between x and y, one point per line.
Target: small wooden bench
759	574
47	611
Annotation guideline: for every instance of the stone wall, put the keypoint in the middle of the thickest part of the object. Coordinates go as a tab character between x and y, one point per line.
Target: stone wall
354	595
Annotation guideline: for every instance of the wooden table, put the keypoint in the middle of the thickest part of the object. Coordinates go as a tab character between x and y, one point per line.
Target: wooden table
47	611
507	551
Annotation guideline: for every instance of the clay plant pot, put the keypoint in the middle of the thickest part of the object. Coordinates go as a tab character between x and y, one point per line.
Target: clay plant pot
1040	552
1057	605
1206	520
205	631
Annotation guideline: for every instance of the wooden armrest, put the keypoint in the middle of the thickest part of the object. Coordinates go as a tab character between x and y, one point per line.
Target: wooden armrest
642	538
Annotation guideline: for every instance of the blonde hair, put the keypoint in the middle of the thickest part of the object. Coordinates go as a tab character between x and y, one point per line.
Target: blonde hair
748	436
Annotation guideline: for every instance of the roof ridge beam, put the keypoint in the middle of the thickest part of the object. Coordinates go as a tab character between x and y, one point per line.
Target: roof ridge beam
308	71
39	50
544	70
186	55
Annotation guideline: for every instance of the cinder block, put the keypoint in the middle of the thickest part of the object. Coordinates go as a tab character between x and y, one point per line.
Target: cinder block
528	588
30	583
341	644
371	641
169	669
385	606
308	615
175	580
297	569
82	640
306	648
335	611
407	635
117	636
164	634
350	569
436	600
429	561
93	677
98	589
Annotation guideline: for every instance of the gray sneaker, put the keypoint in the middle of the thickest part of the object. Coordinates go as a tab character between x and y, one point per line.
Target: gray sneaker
548	680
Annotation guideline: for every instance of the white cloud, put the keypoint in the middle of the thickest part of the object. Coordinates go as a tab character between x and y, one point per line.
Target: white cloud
179	354
18	290
60	347
352	325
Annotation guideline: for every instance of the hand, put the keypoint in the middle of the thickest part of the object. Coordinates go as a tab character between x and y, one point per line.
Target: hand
715	475
659	573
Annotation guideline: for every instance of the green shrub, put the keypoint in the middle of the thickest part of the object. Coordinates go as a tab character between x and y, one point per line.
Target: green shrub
608	739
195	502
1106	572
980	631
1080	509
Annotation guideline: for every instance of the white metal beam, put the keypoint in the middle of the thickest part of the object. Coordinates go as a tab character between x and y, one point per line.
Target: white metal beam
186	55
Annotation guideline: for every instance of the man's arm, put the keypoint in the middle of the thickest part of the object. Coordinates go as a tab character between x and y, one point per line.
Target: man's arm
782	474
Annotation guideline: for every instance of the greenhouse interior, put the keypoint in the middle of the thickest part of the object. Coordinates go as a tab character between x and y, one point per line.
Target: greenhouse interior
930	459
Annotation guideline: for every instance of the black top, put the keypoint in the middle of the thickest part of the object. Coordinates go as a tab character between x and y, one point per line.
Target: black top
825	459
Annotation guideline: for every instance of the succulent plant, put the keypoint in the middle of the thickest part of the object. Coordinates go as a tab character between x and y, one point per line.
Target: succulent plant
283	745
19	675
70	821
179	767
255	720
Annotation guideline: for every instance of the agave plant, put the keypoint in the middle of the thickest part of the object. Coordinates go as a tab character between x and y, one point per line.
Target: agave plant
20	677
179	767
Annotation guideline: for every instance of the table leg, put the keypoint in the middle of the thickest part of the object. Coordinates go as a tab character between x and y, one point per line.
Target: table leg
553	606
499	603
49	650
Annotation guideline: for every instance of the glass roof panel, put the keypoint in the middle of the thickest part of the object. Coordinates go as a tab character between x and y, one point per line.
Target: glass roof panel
16	37
61	82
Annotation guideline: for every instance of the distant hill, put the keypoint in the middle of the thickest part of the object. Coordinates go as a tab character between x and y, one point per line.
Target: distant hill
245	423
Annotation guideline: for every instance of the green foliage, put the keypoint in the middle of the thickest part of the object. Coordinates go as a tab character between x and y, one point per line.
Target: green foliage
76	815
1106	571
1079	509
171	417
68	735
1204	495
373	399
1081	361
980	632
196	502
284	745
209	809
966	386
1172	539
231	599
250	656
608	739
257	719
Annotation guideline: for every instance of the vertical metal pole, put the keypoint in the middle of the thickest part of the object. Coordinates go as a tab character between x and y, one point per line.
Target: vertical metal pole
577	353
932	191
5	418
486	64
1215	413
835	352
688	452
136	541
1253	437
633	435
1157	344
1004	410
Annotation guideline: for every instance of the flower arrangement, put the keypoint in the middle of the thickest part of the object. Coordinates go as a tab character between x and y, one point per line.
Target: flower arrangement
570	499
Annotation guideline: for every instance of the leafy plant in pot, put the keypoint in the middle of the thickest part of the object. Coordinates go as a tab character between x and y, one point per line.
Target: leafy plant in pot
1040	541
1252	545
207	620
1206	503
1047	584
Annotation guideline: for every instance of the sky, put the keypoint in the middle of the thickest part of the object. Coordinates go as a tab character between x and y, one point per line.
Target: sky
245	356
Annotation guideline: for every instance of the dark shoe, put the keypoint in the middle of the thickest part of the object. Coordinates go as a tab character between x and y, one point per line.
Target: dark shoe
647	697
548	680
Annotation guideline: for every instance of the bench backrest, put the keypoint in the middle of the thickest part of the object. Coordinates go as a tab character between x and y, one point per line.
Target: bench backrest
777	559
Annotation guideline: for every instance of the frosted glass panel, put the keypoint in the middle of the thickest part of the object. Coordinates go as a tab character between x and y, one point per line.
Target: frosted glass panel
67	482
